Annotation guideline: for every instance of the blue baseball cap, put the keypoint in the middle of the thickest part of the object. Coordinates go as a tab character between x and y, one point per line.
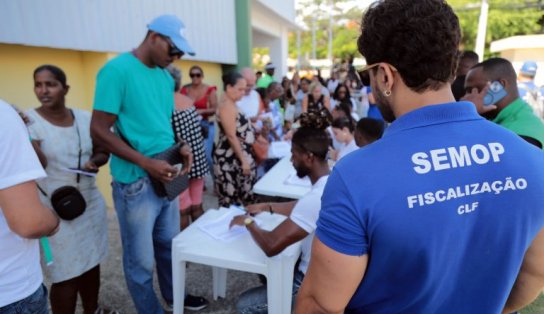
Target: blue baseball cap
172	27
529	68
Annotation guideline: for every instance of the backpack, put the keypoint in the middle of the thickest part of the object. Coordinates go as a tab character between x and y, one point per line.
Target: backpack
535	99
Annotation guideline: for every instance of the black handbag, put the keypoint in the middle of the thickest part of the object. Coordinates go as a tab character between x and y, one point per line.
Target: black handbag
171	189
67	200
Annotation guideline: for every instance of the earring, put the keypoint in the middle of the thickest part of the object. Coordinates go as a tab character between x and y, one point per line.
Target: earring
387	93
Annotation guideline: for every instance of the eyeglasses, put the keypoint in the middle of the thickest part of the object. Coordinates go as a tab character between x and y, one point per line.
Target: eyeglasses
174	51
193	75
373	65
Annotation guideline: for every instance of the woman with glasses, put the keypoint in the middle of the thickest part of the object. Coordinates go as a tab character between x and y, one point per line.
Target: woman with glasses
342	94
205	98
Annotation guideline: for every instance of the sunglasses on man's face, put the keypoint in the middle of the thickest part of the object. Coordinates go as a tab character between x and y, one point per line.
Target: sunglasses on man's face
193	75
173	51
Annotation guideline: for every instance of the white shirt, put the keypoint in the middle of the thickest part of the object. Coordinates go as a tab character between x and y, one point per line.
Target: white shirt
20	271
249	104
346	149
332	85
305	214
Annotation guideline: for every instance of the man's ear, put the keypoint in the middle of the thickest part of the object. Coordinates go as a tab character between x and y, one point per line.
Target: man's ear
385	74
504	83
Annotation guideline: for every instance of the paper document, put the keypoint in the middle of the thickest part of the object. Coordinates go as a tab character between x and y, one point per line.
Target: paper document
83	172
293	179
219	227
279	149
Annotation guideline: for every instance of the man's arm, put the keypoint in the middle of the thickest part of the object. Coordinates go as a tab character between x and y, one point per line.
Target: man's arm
283	208
330	281
25	214
273	242
530	280
101	124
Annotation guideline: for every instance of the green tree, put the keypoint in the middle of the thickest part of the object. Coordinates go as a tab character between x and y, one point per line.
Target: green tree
345	29
506	18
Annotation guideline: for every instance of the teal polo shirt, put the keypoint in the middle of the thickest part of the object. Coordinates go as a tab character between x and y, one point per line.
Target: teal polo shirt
142	98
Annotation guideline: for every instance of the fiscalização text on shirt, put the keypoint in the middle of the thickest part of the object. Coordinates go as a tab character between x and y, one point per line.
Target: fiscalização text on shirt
456	157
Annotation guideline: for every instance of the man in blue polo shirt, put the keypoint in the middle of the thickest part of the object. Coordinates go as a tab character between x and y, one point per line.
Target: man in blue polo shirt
448	218
134	94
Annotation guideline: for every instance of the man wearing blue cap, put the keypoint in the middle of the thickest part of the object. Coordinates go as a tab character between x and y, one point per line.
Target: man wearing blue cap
134	96
528	90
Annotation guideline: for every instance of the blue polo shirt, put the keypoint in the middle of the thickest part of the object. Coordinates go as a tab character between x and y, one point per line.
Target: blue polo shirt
445	205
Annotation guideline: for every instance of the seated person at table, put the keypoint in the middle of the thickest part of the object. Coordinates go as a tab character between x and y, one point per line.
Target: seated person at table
309	158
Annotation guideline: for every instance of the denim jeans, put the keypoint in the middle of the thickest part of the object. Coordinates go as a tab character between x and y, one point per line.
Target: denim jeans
208	143
36	303
254	301
148	224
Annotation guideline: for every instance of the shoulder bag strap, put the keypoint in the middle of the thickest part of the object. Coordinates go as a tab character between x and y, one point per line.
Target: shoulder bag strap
79	144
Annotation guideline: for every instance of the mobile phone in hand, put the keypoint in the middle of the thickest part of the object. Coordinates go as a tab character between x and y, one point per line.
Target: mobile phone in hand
495	93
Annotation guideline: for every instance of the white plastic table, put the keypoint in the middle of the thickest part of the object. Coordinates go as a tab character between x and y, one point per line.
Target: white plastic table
273	182
196	246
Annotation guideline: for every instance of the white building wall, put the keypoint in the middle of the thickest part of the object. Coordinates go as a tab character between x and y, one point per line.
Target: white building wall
284	8
118	25
270	29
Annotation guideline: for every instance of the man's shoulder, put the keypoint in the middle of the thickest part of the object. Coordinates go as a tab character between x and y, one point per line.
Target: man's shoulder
121	61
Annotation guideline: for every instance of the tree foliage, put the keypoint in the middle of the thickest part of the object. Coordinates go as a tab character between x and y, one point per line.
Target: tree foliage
506	18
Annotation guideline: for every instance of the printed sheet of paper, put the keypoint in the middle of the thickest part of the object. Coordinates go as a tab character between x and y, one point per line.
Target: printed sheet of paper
83	172
293	179
219	227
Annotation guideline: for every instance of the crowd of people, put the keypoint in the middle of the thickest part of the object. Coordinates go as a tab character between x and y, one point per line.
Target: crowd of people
426	171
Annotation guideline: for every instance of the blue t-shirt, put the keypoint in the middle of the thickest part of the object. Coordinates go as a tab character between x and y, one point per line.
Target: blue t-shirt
373	110
446	211
143	100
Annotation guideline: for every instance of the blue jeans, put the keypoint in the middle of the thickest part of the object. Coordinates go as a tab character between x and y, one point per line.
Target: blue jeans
148	224
254	301
208	143
36	303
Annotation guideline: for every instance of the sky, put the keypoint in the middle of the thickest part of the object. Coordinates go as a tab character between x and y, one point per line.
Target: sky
307	7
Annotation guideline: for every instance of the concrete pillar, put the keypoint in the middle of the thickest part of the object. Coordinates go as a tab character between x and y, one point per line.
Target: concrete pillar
243	33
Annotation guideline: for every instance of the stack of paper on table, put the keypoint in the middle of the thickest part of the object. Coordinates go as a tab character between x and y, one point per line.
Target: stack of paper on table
293	179
219	227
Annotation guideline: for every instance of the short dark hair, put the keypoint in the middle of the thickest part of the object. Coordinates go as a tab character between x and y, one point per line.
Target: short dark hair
272	86
419	38
498	68
312	135
371	129
344	122
470	55
230	79
57	72
344	106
